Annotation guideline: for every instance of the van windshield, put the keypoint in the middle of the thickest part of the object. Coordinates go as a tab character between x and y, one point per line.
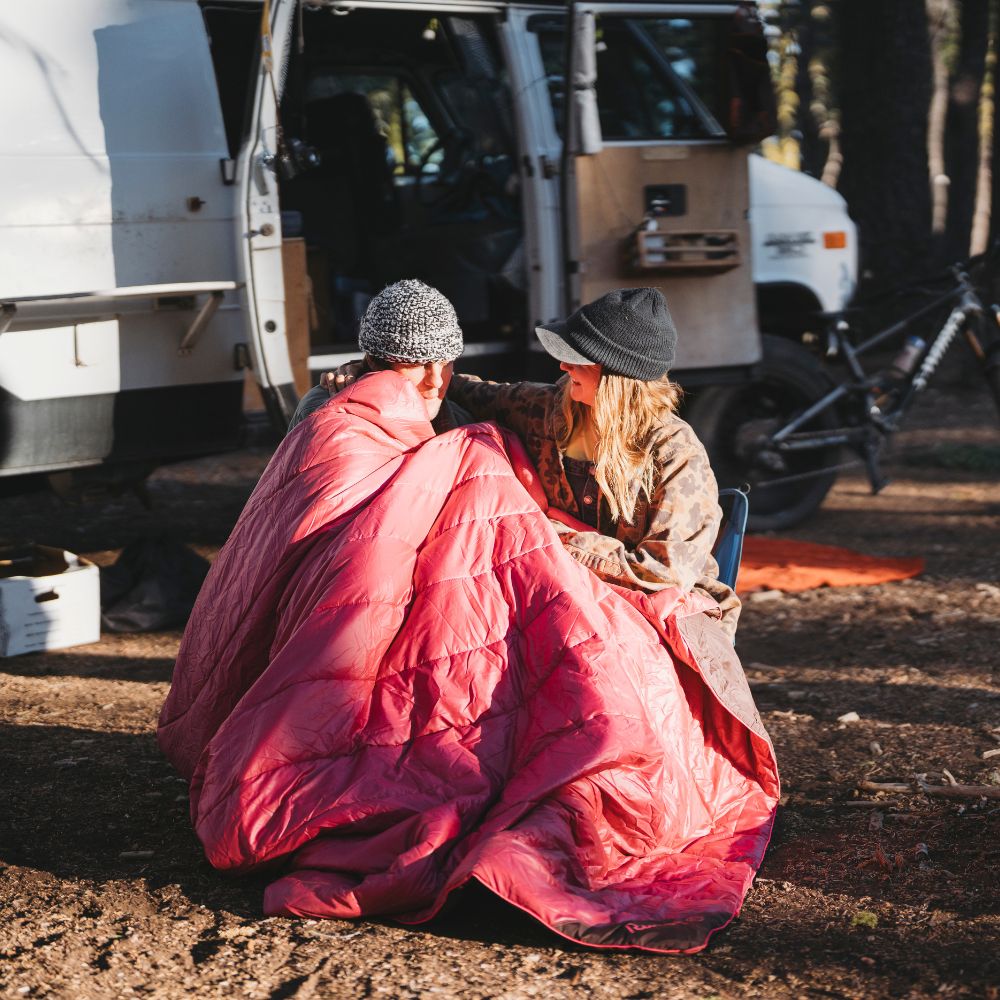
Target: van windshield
411	140
657	78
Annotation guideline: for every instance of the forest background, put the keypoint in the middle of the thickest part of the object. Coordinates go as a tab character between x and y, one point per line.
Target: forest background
892	102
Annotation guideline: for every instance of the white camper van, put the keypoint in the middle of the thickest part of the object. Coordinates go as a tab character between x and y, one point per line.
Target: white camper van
198	188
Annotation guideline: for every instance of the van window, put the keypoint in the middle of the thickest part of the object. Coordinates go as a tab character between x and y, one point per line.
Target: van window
476	93
657	78
234	31
411	141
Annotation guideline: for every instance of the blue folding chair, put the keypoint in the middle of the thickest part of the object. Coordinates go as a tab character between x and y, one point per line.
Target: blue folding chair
729	545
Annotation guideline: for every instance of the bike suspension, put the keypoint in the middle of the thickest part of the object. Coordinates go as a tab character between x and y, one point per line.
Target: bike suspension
942	342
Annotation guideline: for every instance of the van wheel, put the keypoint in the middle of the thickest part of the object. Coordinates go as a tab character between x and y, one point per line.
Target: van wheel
734	421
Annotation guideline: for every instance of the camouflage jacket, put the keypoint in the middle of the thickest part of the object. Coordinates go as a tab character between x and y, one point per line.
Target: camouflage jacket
669	543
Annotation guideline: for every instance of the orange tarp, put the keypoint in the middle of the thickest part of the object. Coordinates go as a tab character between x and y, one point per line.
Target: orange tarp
787	564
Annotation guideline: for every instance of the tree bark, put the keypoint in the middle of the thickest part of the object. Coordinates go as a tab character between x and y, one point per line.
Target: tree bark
823	108
961	142
979	239
885	72
939	15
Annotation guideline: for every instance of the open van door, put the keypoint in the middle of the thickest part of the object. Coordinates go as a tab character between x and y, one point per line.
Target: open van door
259	221
656	186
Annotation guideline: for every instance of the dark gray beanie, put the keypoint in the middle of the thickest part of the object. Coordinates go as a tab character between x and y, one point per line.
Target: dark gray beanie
410	322
628	332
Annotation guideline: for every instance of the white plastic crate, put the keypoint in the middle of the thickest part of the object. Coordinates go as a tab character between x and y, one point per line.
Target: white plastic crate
43	607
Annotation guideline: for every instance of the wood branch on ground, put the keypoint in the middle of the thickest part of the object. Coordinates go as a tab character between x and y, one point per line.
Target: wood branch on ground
957	791
885	786
952	790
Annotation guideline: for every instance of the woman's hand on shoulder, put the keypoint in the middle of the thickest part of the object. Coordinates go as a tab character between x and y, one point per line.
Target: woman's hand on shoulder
341	377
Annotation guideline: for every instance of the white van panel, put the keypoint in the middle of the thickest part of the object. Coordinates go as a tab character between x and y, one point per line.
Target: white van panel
86	357
112	134
69	243
259	232
790	212
110	146
149	355
152	78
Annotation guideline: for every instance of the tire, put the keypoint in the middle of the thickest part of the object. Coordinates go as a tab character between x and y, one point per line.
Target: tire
730	420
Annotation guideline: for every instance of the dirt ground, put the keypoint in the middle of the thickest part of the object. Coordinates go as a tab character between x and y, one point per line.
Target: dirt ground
104	891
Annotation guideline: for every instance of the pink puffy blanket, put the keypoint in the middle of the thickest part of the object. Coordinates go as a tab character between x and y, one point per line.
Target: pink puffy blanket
395	680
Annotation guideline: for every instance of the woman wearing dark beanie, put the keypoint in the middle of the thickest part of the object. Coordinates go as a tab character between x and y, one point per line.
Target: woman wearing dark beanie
611	450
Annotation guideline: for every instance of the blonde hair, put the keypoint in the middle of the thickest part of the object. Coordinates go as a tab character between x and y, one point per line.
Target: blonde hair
625	416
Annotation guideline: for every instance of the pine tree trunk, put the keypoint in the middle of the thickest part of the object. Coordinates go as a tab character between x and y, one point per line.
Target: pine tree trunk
809	143
826	159
961	142
885	73
939	14
984	174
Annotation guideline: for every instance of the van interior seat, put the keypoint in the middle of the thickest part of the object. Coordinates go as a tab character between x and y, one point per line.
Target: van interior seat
347	201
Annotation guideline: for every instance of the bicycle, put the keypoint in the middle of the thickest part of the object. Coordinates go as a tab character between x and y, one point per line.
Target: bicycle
782	433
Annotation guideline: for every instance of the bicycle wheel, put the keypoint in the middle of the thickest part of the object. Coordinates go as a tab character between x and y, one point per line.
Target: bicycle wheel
734	422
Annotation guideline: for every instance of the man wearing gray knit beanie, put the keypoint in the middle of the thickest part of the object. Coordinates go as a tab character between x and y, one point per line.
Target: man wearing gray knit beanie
412	329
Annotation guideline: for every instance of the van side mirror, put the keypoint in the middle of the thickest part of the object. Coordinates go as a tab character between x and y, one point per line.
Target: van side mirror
586	128
751	109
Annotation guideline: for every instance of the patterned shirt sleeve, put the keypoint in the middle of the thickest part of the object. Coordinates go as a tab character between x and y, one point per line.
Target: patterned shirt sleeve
682	523
520	406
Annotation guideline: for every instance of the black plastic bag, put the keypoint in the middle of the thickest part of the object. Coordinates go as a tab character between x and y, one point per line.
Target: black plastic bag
152	585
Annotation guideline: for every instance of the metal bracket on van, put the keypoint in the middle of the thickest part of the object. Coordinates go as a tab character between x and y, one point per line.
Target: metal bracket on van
198	324
41	311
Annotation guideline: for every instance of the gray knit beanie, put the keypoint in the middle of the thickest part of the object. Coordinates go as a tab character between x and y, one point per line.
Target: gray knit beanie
628	331
410	322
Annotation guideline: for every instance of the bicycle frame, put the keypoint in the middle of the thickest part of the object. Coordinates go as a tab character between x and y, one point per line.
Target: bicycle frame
875	420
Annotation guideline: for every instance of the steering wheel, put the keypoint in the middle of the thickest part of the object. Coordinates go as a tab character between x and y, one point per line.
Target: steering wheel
425	158
466	181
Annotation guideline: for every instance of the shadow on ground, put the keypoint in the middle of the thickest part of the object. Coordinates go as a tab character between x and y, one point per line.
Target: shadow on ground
112	668
202	513
90	805
879	702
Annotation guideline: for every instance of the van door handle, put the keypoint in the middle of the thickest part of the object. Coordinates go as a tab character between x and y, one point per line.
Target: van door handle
549	169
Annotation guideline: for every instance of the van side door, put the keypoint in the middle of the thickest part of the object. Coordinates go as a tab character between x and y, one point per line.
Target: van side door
664	202
258	219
